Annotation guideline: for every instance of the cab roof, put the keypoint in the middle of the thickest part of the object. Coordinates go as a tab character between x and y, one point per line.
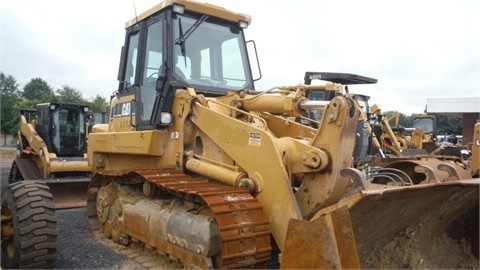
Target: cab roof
194	6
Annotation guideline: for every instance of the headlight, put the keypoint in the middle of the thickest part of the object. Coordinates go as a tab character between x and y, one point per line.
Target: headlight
178	8
165	118
242	24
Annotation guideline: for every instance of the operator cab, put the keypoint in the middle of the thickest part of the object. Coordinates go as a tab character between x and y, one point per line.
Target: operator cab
427	123
327	95
363	145
63	128
174	46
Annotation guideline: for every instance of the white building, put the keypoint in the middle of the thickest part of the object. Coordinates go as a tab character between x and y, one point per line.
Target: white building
467	107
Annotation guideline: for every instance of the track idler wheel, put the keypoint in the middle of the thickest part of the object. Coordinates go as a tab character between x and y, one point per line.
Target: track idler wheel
109	209
29	226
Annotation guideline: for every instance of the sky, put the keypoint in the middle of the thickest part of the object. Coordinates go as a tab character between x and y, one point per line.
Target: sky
415	49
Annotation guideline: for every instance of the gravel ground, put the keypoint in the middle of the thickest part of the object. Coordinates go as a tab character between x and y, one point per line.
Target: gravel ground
79	249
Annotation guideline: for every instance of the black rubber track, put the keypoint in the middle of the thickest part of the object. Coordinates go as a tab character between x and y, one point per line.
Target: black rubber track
28	209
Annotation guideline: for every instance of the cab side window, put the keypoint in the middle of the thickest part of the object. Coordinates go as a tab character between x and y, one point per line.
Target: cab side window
152	67
131	59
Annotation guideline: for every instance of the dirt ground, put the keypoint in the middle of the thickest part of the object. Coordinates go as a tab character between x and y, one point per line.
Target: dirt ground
409	250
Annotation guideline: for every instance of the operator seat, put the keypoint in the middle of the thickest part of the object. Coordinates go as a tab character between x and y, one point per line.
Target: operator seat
180	73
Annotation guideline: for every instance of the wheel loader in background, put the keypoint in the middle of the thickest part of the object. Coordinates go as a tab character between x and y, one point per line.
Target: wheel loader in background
49	172
199	166
424	132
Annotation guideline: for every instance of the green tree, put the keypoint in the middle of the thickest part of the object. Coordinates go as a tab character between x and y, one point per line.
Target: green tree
8	84
28	104
39	90
99	104
448	124
8	104
70	95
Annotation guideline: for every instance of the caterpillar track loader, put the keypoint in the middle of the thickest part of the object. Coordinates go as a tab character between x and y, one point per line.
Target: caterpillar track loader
200	167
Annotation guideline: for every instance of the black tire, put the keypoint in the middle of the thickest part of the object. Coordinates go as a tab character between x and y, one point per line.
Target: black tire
29	226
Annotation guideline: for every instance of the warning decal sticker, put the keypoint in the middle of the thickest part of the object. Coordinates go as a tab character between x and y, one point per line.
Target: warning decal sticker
254	139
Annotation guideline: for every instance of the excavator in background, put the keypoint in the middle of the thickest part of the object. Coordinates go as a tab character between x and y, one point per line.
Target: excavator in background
50	171
198	166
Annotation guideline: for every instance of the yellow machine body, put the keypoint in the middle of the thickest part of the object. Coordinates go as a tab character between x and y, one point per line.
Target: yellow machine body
198	166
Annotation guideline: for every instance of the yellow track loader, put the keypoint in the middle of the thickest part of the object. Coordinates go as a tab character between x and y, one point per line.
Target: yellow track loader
199	166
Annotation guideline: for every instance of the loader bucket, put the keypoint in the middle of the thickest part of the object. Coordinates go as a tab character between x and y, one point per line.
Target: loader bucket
69	193
323	243
428	170
68	187
392	224
397	227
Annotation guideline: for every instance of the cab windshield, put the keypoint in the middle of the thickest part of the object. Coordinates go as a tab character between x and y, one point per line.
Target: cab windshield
425	123
69	139
209	54
363	103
